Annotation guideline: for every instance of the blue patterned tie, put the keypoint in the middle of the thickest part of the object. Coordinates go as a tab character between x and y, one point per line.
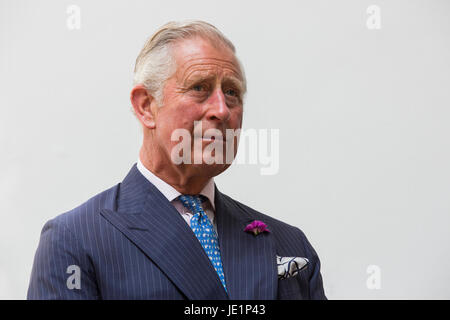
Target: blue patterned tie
204	231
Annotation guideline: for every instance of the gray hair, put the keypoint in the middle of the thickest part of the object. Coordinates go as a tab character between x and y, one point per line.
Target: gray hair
155	63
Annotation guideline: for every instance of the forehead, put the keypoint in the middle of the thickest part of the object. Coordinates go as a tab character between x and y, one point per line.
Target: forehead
197	56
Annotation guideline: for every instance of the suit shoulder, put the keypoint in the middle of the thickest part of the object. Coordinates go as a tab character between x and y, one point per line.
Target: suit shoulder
289	239
269	220
89	209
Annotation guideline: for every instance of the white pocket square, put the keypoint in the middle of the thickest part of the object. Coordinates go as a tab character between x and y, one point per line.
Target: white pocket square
290	266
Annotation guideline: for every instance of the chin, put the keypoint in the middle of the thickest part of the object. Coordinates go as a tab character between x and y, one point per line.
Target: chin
211	170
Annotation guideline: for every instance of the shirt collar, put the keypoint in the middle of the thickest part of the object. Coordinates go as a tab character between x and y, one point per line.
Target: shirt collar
170	192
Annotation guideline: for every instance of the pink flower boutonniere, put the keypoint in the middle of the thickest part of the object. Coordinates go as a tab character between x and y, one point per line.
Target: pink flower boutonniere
256	227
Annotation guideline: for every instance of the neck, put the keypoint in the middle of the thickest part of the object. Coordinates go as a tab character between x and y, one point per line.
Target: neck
183	178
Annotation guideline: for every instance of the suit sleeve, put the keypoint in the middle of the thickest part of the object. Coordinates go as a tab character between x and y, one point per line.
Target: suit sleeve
61	267
316	291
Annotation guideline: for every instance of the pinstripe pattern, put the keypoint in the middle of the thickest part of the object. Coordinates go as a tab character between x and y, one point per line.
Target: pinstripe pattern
131	243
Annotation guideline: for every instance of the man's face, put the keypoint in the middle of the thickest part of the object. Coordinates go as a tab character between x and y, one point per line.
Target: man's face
207	87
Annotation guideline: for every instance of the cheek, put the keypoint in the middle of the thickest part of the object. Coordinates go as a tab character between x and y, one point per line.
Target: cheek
236	119
180	116
186	113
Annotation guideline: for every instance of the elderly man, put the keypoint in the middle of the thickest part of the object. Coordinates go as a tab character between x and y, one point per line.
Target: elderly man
166	231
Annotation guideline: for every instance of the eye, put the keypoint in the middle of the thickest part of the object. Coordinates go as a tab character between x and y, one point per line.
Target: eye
231	92
199	87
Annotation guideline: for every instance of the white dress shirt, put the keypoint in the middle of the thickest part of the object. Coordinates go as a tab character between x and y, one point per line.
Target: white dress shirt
171	194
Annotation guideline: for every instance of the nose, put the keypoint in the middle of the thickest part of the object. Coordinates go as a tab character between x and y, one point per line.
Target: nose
218	109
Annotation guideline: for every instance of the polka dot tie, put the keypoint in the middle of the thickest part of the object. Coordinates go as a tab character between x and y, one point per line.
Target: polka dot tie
204	231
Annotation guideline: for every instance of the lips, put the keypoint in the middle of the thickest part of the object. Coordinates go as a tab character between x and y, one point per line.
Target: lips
211	139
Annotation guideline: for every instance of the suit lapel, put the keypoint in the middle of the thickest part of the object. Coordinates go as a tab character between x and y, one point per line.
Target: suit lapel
249	261
151	222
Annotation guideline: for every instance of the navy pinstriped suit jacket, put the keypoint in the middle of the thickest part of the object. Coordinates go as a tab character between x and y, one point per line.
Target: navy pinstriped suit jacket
129	242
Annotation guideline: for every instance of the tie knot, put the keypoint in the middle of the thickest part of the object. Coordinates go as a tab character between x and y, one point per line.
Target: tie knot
193	202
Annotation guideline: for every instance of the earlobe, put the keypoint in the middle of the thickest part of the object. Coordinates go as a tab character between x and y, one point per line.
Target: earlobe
149	123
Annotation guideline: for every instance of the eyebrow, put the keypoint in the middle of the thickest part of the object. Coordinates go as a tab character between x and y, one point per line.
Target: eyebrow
239	84
199	76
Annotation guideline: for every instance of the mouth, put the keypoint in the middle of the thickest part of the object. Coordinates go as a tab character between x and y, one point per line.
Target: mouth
211	139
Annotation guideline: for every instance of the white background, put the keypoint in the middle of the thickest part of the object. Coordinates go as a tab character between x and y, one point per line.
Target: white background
363	118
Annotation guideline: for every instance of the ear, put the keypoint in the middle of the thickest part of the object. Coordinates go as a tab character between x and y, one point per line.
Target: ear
144	105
